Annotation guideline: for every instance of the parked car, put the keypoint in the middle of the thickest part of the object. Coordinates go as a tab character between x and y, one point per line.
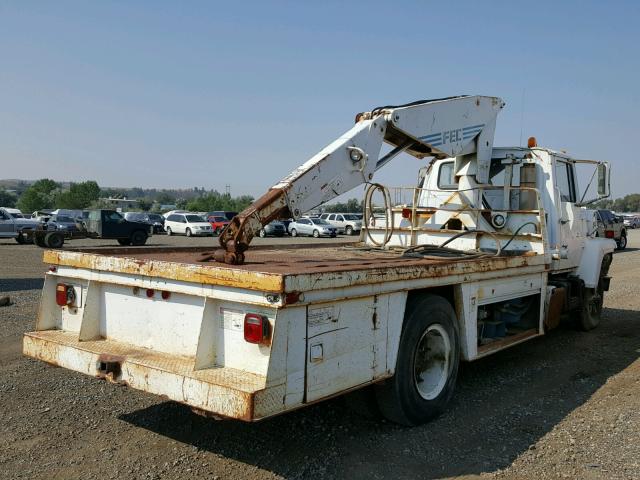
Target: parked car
286	224
347	223
187	224
14	225
155	220
171	212
14	212
610	225
273	229
62	222
632	221
221	213
218	223
315	227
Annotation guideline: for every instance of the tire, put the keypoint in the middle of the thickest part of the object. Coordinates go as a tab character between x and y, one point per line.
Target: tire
316	234
591	312
188	232
54	239
21	239
138	238
39	240
169	232
294	232
622	243
124	241
349	230
262	233
408	398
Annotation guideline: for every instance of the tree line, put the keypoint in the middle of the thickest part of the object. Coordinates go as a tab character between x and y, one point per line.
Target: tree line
628	203
47	194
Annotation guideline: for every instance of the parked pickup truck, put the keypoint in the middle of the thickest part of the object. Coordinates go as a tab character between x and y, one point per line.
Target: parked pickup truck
493	250
16	226
104	224
612	226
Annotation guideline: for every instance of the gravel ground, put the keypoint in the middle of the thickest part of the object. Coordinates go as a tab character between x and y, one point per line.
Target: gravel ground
566	405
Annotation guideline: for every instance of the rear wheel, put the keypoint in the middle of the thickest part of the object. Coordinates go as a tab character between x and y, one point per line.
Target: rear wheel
622	243
54	239
294	232
138	238
316	234
349	230
169	232
188	232
124	241
262	233
427	364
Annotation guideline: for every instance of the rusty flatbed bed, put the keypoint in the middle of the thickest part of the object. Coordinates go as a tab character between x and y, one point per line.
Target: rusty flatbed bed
285	269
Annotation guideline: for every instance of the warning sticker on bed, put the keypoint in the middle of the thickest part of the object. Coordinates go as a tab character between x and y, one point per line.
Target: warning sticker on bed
321	315
231	319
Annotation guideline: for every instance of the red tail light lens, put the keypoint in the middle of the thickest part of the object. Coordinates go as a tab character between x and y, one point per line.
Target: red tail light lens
150	292
65	295
256	328
609	234
406	213
165	295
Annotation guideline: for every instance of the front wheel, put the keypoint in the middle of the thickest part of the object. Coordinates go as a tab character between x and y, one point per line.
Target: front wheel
349	230
294	232
316	234
124	241
262	233
427	364
188	232
622	243
591	312
169	232
21	239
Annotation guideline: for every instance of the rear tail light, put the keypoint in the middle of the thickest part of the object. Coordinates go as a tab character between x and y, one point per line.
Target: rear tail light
406	213
609	234
256	328
150	292
65	295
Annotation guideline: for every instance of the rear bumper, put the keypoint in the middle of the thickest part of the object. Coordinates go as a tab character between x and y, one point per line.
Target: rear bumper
222	391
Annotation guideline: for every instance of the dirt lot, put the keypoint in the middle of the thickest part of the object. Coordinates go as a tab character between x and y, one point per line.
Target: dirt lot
566	405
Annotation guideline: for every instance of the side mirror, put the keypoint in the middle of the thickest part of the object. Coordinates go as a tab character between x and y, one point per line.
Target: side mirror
603	180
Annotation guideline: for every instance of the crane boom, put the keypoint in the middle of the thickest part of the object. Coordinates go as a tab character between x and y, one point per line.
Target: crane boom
448	127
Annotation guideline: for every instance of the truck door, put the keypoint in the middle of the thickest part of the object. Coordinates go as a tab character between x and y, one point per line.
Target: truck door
114	225
569	234
7	224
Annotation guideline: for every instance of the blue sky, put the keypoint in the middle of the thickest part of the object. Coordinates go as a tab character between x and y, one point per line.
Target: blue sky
183	94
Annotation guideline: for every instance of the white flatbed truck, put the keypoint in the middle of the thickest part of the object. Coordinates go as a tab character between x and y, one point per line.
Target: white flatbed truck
494	246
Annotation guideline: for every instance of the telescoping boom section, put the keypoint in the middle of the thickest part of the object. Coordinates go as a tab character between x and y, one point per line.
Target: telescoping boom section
448	127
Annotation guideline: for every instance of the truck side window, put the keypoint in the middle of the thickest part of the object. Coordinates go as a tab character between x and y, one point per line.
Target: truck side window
446	177
564	181
3	216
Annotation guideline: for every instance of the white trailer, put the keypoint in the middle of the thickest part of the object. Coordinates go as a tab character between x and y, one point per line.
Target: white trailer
492	248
